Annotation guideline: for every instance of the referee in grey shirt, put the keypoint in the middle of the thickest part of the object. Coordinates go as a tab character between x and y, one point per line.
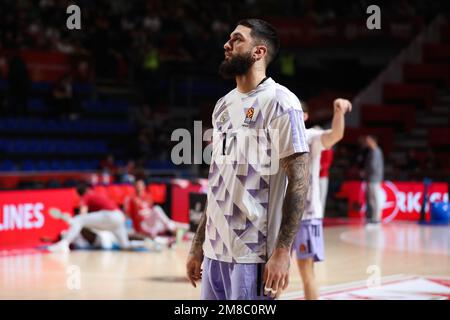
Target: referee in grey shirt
374	175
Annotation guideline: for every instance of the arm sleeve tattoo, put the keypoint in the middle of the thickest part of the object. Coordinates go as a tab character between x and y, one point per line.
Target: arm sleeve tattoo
199	238
297	171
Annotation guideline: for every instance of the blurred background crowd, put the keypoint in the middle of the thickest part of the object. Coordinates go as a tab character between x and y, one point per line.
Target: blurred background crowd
106	98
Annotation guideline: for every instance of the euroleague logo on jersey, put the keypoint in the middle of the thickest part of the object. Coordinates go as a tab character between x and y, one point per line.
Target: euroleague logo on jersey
249	115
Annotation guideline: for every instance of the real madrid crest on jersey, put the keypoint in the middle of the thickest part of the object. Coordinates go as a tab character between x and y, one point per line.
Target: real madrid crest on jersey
224	117
249	115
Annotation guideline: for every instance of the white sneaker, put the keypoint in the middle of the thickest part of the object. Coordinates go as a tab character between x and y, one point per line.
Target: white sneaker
152	245
373	226
59	247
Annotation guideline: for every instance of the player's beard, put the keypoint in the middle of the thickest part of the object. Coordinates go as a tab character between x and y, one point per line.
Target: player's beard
237	65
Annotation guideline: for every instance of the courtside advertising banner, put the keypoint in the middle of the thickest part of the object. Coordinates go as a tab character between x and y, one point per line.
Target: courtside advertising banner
26	217
402	200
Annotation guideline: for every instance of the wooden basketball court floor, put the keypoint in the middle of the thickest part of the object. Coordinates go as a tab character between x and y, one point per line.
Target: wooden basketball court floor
353	253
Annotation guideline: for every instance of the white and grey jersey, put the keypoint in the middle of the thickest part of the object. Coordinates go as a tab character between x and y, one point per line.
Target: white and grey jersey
246	187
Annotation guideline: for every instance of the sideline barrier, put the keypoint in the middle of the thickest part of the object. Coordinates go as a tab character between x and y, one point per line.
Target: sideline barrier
403	200
25	214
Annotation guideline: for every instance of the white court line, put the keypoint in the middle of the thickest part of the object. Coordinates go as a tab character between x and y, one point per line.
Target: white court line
349	285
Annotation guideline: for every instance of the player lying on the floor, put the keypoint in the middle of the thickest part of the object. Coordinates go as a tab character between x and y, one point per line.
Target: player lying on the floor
97	212
308	243
91	238
149	219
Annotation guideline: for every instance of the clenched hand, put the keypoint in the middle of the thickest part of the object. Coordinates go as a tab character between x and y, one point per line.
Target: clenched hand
276	272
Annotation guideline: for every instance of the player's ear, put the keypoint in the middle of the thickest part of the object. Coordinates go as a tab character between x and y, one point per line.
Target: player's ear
260	52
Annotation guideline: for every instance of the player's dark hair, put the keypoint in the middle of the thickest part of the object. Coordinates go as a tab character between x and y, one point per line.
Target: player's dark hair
373	137
82	188
264	32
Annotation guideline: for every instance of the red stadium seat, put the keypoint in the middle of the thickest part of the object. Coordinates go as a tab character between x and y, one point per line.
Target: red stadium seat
75	199
418	94
321	106
436	53
158	192
389	116
115	193
128	190
101	190
445	34
443	159
46	66
439	137
427	73
385	136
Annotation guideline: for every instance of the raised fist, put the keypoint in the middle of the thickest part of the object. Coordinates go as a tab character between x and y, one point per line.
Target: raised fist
342	105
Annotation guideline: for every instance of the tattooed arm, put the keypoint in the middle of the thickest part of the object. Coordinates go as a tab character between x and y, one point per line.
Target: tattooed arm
199	237
297	171
276	273
195	258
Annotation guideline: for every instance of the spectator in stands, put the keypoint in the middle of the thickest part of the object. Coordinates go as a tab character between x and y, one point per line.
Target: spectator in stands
127	174
373	175
150	220
109	166
288	70
151	75
82	70
63	101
